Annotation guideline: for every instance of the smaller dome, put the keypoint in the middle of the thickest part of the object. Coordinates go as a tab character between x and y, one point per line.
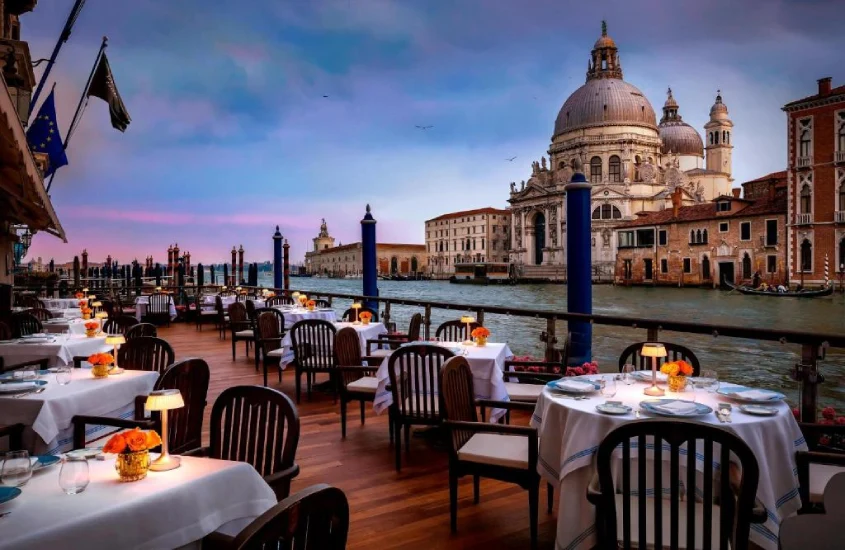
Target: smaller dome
604	41
719	110
680	138
670	101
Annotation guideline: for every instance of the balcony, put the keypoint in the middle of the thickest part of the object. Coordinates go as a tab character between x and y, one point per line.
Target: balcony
804	162
839	216
803	219
839	157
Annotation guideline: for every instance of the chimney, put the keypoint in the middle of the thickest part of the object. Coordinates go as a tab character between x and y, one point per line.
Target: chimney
676	202
736	191
772	185
824	85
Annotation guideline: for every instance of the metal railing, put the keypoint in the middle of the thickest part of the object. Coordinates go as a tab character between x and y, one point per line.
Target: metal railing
804	162
803	219
839	216
839	156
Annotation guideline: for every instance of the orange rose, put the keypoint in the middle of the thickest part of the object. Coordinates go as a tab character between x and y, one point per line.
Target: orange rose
116	445
685	368
136	440
153	439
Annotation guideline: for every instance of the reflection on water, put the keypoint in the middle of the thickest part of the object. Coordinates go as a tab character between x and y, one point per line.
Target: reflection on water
765	364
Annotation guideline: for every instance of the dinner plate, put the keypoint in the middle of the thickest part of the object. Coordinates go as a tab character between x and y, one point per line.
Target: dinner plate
8	493
652	406
735	393
613	408
45	461
553	385
10	376
758	410
88	452
31	385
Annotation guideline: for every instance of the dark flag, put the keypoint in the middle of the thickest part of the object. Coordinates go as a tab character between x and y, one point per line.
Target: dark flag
43	136
102	86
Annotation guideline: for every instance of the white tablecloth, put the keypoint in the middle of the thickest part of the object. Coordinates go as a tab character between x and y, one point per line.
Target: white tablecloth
60	303
48	414
141	303
76	327
365	332
70	313
164	510
487	365
571	431
59	350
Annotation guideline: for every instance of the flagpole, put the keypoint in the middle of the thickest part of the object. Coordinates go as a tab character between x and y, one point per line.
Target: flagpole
82	101
71	19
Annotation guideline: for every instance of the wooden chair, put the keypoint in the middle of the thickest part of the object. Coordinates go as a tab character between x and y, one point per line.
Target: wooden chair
313	351
5	331
139	330
355	382
316	518
108	307
270	331
206	314
120	324
123	309
393	341
321	303
824	459
40	314
234	433
158	309
481	449
817	531
674	352
349	315
240	327
15	434
278	301
524	380
191	378
222	316
629	517
414	372
24	324
455	331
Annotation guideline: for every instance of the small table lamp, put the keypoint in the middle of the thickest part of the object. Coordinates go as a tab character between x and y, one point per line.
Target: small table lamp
100	315
653	350
115	340
468	319
85	290
164	400
92	297
355	307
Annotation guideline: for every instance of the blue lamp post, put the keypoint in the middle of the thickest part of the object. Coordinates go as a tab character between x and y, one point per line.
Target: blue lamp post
579	293
277	259
368	258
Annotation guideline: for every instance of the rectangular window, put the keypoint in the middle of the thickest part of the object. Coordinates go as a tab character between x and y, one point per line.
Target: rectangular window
664	265
645	238
724	227
626	239
723	206
771	264
771	232
687	265
662	238
745	231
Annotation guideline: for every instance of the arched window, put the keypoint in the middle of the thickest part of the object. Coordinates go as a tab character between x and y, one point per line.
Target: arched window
705	268
691	236
806	199
616	214
710	134
394	265
804	143
806	255
728	141
607	212
746	266
614	171
704	236
561	165
841	253
840	135
841	196
698	236
597	213
595	170
716	137
468	245
414	265
724	136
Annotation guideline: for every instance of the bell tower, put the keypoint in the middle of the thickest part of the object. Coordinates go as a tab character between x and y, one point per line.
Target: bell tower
323	241
718	130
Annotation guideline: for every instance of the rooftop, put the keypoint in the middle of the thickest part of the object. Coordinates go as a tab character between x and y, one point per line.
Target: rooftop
835	93
487	210
707	211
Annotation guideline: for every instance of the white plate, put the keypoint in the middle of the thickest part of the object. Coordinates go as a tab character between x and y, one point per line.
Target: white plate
758	410
614	409
88	452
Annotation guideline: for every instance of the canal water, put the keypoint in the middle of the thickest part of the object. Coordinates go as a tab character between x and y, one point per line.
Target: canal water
763	364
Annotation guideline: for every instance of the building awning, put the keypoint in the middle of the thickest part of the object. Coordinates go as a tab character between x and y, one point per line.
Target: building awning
21	183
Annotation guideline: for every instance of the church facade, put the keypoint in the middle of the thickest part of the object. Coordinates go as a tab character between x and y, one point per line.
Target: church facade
634	164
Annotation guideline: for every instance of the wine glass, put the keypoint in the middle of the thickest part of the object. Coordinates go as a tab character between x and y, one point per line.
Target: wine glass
74	477
63	375
708	380
17	469
628	374
608	386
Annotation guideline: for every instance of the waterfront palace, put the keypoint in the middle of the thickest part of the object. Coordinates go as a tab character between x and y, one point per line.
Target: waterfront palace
480	235
634	164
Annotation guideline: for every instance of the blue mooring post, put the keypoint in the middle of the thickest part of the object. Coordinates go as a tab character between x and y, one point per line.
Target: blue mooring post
277	259
579	291
368	257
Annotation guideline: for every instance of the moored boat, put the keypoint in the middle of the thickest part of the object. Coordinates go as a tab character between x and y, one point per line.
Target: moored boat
826	291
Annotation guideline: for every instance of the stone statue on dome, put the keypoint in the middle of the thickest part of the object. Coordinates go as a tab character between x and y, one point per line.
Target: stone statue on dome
543	162
513	187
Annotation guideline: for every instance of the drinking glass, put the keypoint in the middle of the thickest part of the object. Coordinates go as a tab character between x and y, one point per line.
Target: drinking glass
28	374
708	380
73	477
628	374
17	469
63	375
608	386
693	386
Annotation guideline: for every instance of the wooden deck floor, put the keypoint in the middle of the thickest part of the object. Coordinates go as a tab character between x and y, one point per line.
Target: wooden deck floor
389	510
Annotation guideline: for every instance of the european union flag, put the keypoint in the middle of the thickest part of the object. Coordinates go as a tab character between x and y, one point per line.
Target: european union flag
43	136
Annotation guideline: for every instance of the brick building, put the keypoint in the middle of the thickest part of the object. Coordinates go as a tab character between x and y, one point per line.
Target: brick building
730	238
480	235
816	161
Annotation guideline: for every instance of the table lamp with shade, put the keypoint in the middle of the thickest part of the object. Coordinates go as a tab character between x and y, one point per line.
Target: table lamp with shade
85	290
468	319
653	350
163	401
100	316
355	307
115	340
92	297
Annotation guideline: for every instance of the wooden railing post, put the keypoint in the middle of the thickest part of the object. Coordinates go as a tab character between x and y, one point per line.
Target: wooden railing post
807	373
549	338
427	321
385	318
479	316
653	334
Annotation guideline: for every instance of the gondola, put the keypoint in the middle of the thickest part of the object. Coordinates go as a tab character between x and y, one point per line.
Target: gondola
827	291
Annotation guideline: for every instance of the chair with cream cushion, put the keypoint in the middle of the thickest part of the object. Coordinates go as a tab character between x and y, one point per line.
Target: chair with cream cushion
355	382
240	327
313	341
270	326
392	341
823	530
816	466
630	518
481	449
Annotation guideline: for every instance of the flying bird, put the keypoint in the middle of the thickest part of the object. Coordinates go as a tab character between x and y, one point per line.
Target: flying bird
510	159
423	127
325	96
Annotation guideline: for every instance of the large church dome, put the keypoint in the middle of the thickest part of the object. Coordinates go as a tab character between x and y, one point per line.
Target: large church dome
676	135
605	99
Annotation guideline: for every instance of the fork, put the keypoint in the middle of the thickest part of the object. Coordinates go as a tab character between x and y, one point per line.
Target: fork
37	390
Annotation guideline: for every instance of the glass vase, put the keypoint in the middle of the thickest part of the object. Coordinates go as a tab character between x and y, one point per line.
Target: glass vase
132	466
677	383
481	341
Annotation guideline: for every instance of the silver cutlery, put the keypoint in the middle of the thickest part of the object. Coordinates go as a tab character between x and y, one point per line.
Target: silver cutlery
37	390
4	514
719	416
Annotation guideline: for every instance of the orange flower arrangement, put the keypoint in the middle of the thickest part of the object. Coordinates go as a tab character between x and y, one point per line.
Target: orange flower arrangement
79	296
677	368
311	303
303	299
365	316
101	359
480	332
82	303
133	441
92	326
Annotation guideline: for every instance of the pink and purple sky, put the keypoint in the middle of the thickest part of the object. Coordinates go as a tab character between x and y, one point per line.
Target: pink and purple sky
231	134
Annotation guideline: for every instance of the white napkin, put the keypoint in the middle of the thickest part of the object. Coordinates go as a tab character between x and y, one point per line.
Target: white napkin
755	394
645	375
574	385
677	407
15	386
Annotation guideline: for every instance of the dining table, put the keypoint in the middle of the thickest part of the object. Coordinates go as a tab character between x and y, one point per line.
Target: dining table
141	303
571	428
486	362
60	303
60	325
58	349
47	415
172	509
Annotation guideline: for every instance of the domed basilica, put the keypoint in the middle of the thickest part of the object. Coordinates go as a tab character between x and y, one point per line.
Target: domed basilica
634	164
